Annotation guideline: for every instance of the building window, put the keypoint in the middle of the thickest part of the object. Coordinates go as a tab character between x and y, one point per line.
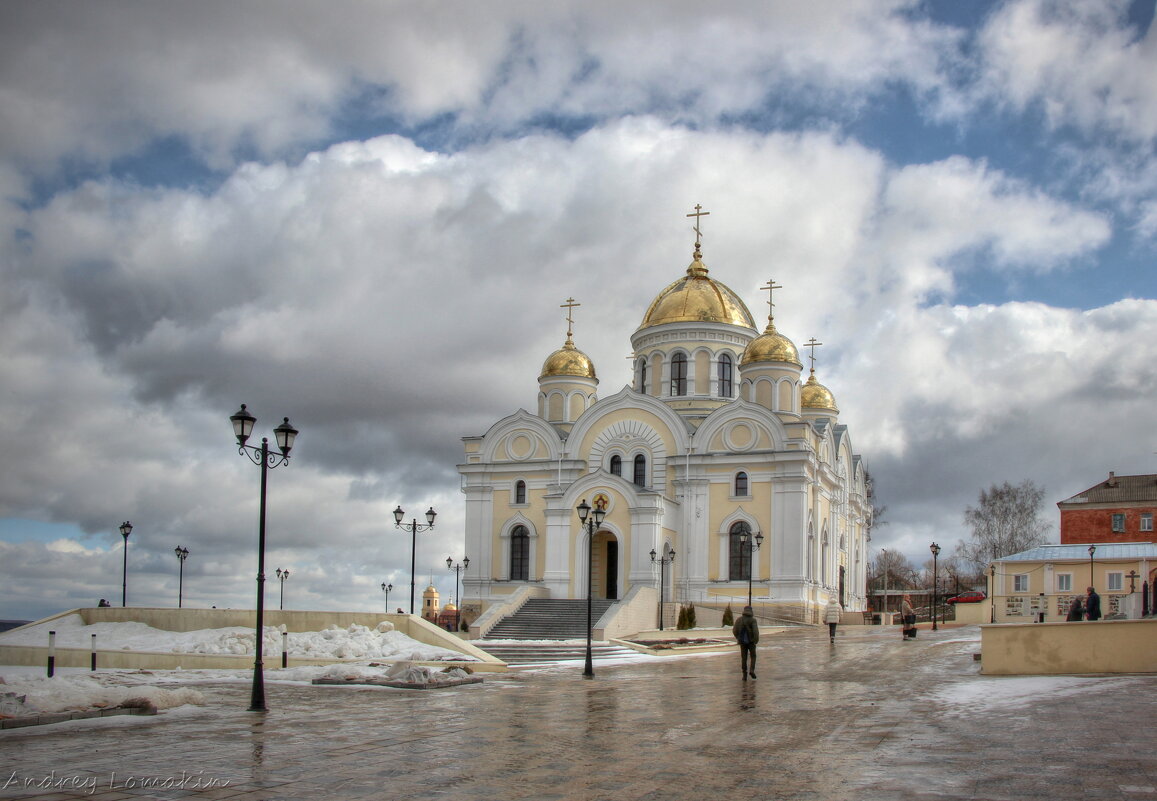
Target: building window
741	484
1116	581
1020	582
1064	582
520	492
616	465
1118	522
519	554
1147	521
640	470
643	376
740	561
679	374
725	388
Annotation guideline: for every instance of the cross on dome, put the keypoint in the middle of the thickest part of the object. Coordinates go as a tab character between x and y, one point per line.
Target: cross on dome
811	343
569	306
698	213
771	286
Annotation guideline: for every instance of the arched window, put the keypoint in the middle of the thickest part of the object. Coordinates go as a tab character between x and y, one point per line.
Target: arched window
679	374
740	569
643	376
519	554
616	465
641	470
741	484
726	390
520	491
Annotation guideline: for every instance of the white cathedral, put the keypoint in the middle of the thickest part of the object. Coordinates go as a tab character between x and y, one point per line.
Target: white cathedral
720	453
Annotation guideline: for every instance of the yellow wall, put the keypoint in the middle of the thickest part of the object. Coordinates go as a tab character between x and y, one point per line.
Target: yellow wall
1113	646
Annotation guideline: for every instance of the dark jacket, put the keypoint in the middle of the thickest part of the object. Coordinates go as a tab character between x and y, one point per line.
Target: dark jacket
746	630
1093	606
1076	611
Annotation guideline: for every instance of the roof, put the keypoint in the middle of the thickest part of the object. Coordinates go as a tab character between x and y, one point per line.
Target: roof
1105	550
1118	489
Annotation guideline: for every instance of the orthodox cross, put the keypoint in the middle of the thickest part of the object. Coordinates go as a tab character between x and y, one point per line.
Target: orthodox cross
811	343
569	306
771	287
1132	575
697	214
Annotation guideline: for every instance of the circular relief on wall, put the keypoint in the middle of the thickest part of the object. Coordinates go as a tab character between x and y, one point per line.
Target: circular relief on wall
520	447
739	437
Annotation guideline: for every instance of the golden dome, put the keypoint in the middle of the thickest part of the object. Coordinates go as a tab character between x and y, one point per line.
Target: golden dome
814	395
568	360
695	298
771	346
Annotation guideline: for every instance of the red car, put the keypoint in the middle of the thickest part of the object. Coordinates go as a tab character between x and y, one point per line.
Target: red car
970	597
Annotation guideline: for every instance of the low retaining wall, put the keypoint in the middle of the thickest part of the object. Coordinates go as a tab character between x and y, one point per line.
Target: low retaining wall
1105	646
197	619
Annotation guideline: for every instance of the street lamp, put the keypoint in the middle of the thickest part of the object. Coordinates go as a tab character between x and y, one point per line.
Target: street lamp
182	554
935	578
413	527
992	592
1092	550
126	530
668	559
386	591
285	434
457	568
751	547
592	524
283	575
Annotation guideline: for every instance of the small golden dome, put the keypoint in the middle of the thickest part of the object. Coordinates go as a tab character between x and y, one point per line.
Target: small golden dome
770	346
568	360
695	298
814	395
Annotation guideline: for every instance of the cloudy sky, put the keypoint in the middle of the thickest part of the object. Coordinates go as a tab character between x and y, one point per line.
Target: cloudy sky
364	216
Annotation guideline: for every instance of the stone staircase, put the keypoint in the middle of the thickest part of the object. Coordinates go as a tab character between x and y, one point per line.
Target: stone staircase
560	622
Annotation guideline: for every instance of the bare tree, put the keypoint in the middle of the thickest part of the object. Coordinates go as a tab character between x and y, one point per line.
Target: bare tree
1006	520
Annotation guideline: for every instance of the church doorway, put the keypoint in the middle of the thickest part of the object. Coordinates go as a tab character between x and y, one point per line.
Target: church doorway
605	567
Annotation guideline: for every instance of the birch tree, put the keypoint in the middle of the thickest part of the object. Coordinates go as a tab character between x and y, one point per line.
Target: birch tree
1007	519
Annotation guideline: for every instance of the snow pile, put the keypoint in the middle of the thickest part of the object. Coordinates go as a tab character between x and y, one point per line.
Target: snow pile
78	692
352	642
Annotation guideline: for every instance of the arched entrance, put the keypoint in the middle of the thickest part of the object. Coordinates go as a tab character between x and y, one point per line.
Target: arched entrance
605	566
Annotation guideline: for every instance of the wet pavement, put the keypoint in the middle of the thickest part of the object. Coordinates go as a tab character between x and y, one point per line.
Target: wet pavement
869	718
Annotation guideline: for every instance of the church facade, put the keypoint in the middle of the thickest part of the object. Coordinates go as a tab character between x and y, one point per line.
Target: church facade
718	453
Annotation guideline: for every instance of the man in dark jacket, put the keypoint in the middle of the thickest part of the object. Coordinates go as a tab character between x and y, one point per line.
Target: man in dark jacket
1093	605
746	632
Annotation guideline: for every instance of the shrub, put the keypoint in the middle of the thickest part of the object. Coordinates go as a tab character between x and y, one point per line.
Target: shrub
728	616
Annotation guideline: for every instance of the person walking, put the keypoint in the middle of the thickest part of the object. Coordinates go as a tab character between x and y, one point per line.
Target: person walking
832	617
1093	605
746	632
908	618
1076	610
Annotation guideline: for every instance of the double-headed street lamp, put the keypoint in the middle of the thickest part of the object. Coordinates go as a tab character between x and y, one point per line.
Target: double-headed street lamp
386	592
413	527
935	580
591	523
283	576
243	423
667	558
457	568
751	547
182	554
126	530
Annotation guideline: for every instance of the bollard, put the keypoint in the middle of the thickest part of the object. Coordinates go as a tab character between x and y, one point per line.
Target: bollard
92	661
285	649
51	653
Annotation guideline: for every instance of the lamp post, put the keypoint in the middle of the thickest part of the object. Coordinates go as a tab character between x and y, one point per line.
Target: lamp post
935	578
182	554
413	527
752	547
667	559
1092	550
591	523
457	568
992	592
126	530
285	434
386	591
283	576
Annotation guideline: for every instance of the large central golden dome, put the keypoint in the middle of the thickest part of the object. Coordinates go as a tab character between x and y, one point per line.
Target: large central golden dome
695	298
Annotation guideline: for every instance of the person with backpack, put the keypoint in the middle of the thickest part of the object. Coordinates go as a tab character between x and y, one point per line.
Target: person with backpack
746	632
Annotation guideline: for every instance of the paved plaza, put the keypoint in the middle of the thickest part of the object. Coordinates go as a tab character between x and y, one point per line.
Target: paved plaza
870	718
